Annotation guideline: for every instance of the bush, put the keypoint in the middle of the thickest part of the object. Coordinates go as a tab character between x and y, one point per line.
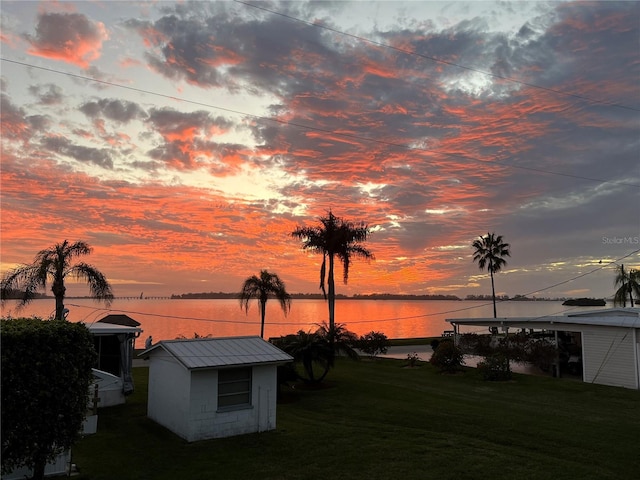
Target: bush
495	367
474	344
46	374
447	357
413	359
541	352
374	343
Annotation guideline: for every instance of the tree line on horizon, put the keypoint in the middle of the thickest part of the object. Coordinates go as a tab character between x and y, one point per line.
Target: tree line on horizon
320	296
369	296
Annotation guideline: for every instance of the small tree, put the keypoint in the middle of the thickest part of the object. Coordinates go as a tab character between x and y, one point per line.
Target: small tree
447	357
374	343
46	375
495	367
310	350
316	351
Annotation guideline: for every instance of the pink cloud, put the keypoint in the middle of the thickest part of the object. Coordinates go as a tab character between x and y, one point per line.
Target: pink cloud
69	37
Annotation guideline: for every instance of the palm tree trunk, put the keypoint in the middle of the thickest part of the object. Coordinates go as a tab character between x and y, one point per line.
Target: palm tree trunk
59	290
263	311
630	293
59	307
332	295
493	295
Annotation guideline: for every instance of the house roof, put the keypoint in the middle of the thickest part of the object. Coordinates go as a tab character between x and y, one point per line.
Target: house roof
103	328
618	317
120	319
219	352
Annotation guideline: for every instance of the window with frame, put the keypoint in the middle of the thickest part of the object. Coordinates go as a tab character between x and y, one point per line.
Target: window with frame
234	387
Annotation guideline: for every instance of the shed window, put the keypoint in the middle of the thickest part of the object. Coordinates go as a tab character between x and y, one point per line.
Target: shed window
234	387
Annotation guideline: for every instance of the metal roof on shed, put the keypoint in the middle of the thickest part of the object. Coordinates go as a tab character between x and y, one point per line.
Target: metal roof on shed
625	318
220	352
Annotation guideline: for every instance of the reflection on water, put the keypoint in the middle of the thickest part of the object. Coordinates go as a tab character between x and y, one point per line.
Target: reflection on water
168	319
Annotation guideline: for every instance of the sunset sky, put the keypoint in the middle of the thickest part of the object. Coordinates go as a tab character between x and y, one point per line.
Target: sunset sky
185	141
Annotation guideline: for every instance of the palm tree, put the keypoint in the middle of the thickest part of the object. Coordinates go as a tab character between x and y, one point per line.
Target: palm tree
312	351
316	351
55	263
341	340
261	288
489	252
334	237
628	282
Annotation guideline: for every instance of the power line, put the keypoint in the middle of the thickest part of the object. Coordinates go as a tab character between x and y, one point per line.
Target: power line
322	130
437	60
358	322
583	274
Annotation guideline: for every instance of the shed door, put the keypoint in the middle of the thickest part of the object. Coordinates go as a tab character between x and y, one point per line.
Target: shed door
264	410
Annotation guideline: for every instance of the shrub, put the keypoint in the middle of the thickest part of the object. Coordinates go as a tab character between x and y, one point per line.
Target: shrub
495	367
541	353
447	357
413	359
46	374
374	343
474	344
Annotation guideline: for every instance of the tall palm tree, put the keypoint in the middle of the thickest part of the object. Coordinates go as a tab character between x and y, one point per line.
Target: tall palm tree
334	237
489	251
261	288
629	283
55	264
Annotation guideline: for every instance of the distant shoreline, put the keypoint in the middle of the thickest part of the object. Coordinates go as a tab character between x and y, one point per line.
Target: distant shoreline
316	296
319	296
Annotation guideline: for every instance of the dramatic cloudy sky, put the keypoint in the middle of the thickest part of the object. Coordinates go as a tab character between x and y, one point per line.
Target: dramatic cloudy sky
185	141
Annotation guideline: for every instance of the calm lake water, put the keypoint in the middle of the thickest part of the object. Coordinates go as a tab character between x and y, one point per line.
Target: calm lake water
169	319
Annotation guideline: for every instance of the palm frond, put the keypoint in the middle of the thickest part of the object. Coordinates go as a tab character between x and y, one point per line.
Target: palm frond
98	284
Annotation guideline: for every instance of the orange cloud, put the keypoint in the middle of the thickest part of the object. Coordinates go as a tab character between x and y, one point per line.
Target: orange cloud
69	37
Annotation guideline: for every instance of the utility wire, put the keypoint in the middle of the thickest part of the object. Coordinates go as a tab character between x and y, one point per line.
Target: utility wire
322	130
437	60
583	274
357	322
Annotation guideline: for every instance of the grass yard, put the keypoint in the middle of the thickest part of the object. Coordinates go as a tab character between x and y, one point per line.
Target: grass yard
379	420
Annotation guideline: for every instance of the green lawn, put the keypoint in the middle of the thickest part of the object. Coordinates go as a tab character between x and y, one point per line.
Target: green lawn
379	420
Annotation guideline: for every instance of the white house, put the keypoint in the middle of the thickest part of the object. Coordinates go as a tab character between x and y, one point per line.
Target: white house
214	387
609	340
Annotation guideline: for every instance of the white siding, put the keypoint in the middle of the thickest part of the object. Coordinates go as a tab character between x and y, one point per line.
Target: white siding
265	396
168	397
203	405
609	356
205	421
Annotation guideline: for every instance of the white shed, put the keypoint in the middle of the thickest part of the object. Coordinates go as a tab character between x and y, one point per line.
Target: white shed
214	387
610	340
